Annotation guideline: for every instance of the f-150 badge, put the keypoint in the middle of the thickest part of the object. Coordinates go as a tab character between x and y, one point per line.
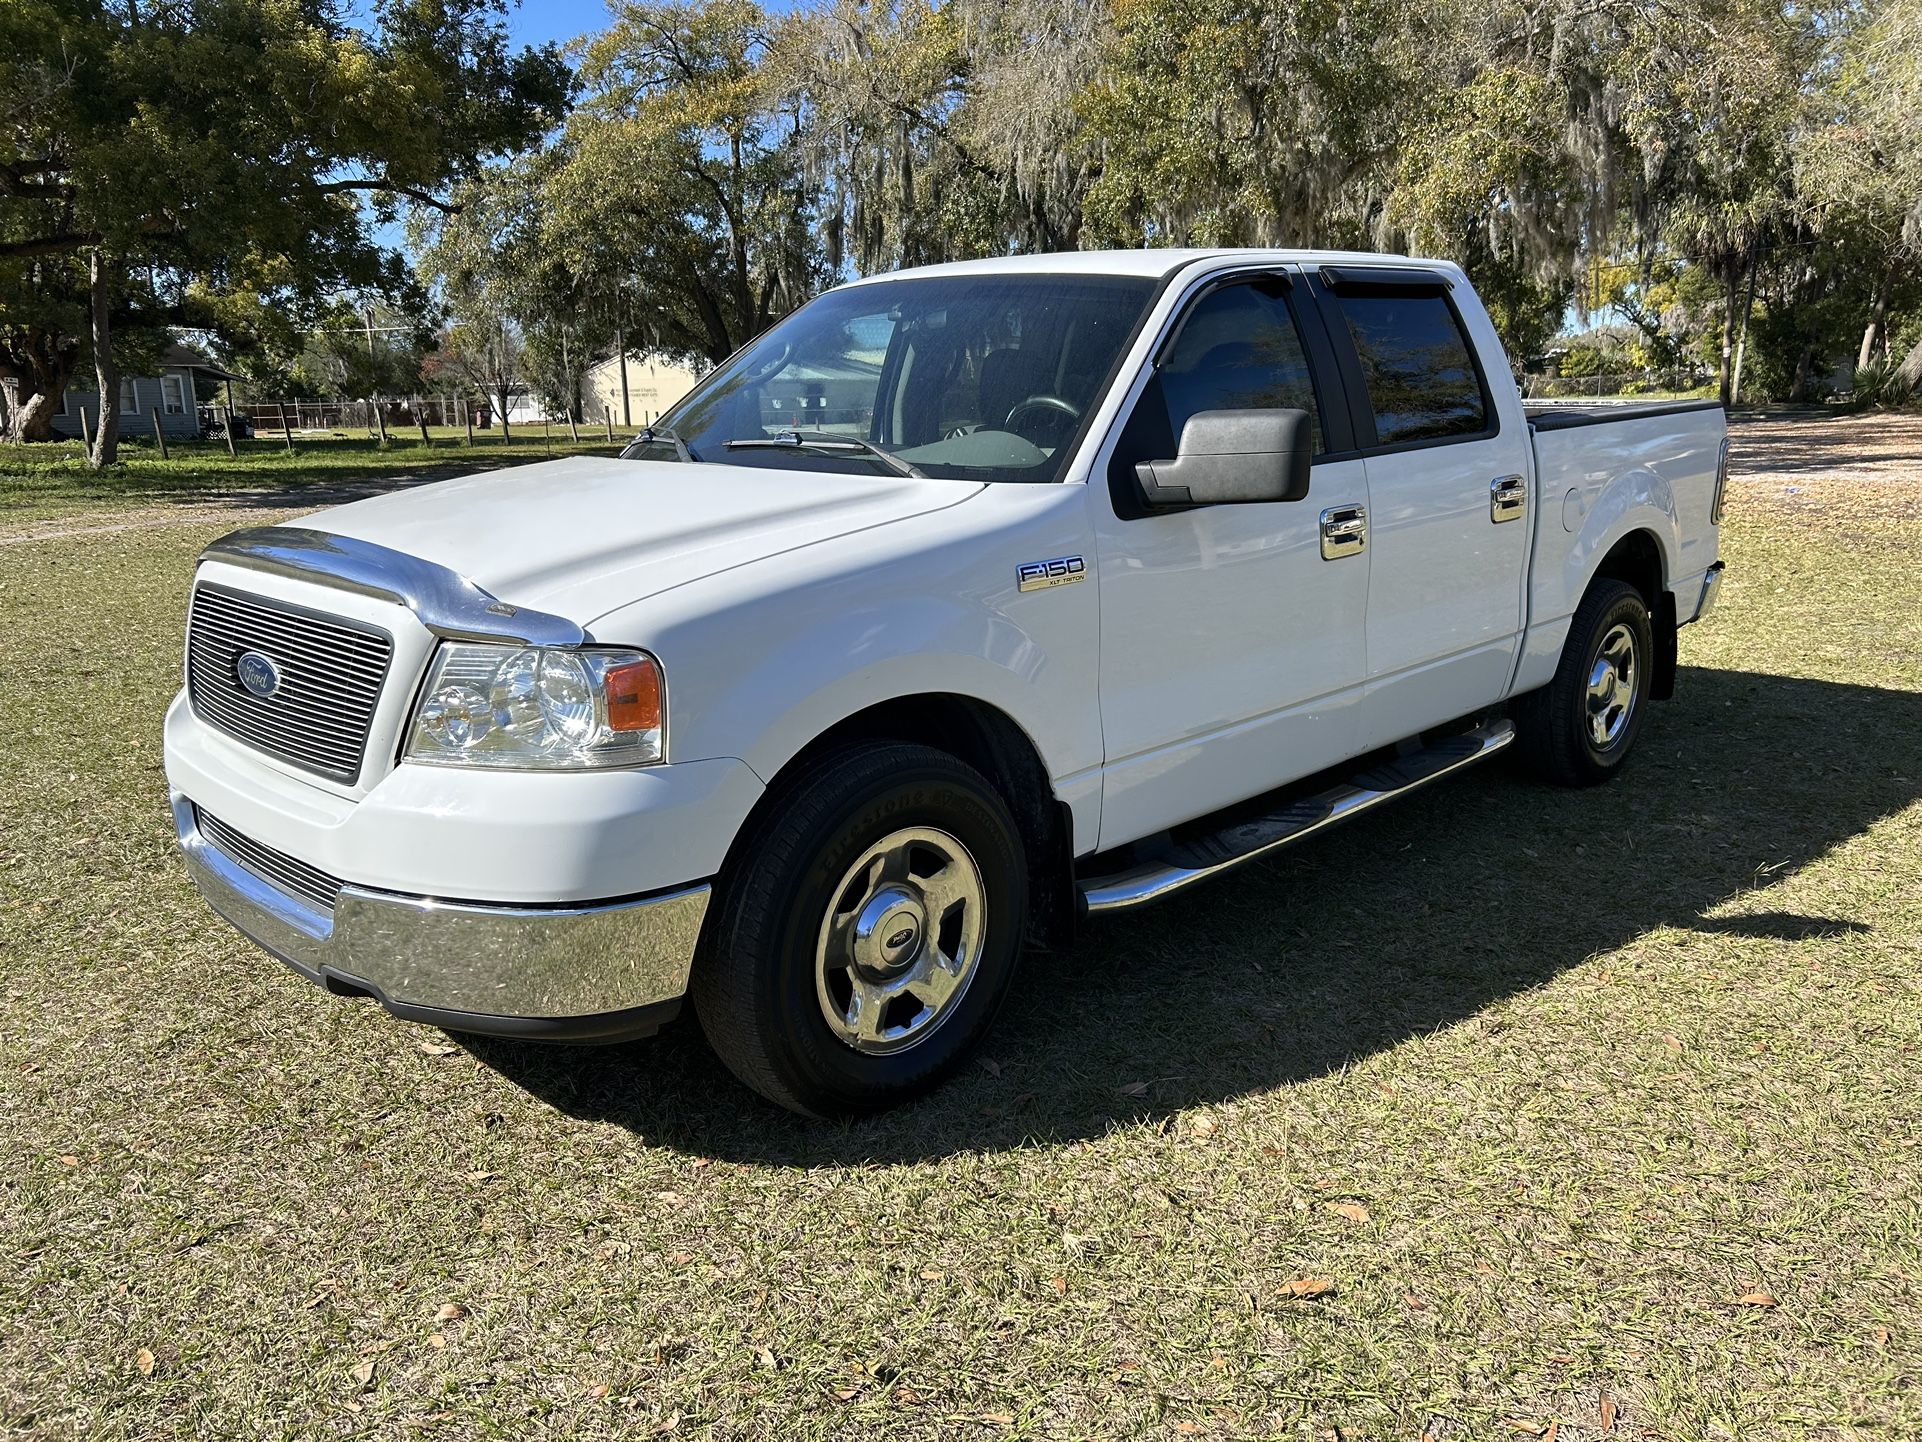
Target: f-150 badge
1061	571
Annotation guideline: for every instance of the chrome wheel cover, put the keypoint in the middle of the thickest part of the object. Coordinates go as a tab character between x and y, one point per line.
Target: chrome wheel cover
901	940
1612	683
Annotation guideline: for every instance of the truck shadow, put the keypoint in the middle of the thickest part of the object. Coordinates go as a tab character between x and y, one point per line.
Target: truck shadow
1415	918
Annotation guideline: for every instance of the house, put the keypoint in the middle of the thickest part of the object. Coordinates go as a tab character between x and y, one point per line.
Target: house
170	393
653	384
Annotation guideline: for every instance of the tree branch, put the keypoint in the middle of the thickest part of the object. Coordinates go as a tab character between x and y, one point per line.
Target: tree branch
390	187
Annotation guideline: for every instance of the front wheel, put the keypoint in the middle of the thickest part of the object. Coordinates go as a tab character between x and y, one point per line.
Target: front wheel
1578	729
866	932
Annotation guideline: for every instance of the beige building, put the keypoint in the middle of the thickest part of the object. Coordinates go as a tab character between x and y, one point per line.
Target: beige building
653	384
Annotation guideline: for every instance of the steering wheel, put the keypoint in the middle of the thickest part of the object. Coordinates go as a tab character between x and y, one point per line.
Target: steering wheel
1039	403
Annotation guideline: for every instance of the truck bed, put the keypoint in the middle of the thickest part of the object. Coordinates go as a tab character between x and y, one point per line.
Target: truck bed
1565	415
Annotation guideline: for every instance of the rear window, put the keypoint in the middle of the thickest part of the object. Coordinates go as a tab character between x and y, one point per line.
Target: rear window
1418	366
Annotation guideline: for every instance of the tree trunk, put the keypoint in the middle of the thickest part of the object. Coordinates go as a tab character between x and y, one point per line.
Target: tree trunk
1741	341
36	365
1908	375
1725	373
106	439
1873	334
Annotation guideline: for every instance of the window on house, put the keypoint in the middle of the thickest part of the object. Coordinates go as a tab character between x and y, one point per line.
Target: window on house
129	397
173	395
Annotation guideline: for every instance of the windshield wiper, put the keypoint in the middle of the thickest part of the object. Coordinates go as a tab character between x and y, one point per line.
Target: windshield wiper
662	435
827	441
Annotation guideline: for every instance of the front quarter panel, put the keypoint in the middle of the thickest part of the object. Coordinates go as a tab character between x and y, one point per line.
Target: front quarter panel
763	659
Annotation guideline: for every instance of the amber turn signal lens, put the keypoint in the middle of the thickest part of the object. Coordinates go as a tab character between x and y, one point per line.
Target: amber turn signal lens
634	697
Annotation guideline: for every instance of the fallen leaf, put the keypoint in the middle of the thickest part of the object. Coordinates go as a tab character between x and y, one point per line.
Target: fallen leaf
679	1259
144	1360
1757	1299
1187	1429
1203	1125
1412	1300
1135	1089
1608	1413
1553	1429
989	1065
700	1162
450	1312
1060	1284
1561	1359
930	1275
599	1389
766	1357
1308	1287
438	1341
482	1176
438	1048
1881	1336
1354	1211
363	1374
1672	1043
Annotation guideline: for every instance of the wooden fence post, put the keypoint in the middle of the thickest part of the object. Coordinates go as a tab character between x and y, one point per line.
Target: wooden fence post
159	436
608	416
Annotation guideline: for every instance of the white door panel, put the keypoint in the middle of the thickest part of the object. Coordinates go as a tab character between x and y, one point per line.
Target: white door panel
1231	653
1445	591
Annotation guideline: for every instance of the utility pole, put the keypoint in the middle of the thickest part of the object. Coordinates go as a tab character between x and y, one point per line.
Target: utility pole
620	345
380	421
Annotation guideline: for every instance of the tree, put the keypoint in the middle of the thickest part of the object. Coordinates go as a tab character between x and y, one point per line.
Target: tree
162	146
674	200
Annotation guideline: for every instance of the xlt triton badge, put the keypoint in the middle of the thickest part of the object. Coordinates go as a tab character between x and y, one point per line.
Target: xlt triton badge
1061	571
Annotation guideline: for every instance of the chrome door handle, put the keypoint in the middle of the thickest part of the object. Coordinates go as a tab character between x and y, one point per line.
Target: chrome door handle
1507	498
1344	532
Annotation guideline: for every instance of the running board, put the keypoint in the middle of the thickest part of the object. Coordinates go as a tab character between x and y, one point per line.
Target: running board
1209	856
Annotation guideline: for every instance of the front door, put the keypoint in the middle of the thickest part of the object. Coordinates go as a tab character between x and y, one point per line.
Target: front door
1448	498
1231	650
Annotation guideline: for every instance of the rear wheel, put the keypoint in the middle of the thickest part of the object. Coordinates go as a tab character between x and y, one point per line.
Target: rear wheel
865	936
1578	730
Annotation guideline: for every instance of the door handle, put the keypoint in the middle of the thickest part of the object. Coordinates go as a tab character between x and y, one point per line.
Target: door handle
1344	532
1507	498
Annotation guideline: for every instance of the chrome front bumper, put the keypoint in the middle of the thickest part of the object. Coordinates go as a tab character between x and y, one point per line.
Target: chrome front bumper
590	973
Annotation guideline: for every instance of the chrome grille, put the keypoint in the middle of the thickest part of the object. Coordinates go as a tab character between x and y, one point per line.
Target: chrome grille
330	669
296	878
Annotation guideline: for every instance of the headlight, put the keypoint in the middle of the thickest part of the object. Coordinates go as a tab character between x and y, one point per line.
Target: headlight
525	707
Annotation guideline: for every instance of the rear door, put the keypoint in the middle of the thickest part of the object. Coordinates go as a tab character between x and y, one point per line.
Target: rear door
1231	650
1448	494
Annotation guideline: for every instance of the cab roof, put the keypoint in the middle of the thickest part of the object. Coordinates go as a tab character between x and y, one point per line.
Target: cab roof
1153	263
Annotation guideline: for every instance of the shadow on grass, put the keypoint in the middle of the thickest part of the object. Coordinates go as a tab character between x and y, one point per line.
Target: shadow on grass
1404	921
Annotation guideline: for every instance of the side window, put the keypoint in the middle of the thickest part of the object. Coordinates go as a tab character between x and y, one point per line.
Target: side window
1238	350
1420	372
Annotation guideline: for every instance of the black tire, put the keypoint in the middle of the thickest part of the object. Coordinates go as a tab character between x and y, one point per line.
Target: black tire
755	985
1553	724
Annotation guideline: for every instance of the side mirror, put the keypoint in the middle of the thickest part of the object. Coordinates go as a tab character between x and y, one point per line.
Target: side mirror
1233	456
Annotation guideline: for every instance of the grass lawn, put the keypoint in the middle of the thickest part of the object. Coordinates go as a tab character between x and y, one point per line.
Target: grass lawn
1506	1112
52	481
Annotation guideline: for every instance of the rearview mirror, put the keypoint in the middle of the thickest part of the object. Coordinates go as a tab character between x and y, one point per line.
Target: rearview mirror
1228	457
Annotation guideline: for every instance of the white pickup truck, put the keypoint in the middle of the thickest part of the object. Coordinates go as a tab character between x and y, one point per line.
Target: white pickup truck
963	603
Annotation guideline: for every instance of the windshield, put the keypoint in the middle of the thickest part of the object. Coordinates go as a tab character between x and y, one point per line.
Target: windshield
983	378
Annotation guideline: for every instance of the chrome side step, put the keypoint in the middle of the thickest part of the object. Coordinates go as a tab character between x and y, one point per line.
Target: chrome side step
1224	850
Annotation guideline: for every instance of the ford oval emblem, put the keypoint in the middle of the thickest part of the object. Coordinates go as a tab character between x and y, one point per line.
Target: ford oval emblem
258	675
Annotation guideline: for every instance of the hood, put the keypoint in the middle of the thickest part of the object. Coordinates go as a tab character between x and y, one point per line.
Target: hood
582	536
